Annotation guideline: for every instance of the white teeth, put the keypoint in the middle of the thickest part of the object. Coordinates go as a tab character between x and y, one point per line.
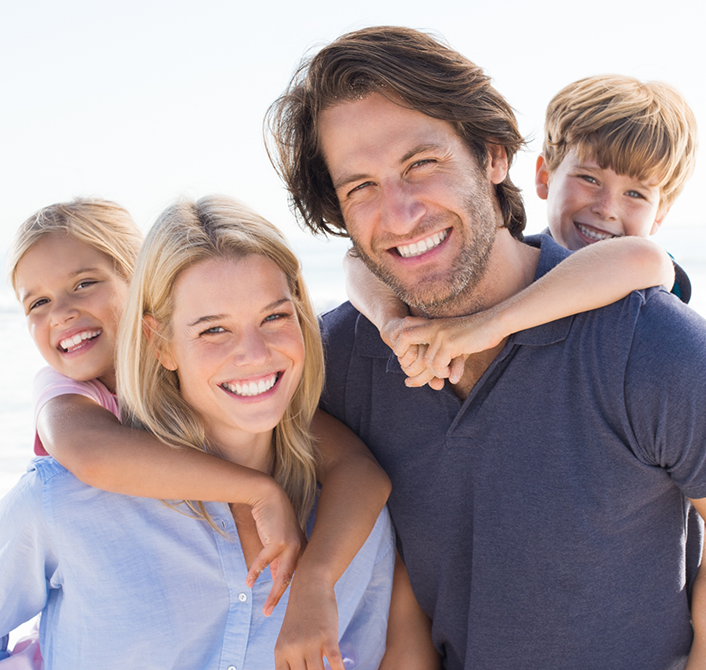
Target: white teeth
251	388
594	234
418	248
73	342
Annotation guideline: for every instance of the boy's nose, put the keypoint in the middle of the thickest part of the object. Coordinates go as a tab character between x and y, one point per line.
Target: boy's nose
606	205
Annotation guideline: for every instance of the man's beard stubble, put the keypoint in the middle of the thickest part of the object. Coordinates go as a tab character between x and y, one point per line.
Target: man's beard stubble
457	294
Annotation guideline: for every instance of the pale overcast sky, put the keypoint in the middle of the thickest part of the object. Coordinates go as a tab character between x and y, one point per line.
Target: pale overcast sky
142	101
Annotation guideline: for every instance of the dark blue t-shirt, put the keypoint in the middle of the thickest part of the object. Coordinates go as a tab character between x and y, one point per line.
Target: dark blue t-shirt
544	520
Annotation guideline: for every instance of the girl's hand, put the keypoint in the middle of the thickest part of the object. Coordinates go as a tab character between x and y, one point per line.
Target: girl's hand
310	628
282	541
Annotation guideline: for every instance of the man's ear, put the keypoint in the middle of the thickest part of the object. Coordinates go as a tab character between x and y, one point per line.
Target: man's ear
660	218
151	328
497	163
541	178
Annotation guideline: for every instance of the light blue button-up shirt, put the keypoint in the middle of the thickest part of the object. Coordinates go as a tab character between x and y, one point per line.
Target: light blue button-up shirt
126	582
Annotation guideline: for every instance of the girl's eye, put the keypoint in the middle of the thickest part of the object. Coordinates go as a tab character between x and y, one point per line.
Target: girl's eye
86	283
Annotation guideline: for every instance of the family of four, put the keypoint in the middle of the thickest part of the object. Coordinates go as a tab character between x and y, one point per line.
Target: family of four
537	424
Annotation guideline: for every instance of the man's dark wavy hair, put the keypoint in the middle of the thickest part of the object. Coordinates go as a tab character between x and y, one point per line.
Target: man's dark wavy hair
408	66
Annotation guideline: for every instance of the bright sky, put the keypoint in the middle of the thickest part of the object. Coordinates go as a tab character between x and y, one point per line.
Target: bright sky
142	101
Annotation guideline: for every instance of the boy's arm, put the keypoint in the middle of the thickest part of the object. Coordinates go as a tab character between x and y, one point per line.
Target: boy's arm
88	440
697	656
590	278
353	493
409	645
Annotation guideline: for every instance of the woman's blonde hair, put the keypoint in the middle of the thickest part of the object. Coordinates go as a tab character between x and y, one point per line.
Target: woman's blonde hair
186	233
101	224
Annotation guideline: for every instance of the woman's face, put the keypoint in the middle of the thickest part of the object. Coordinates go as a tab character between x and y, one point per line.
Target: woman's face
236	346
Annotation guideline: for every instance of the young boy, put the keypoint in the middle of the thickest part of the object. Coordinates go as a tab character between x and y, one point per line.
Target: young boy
617	152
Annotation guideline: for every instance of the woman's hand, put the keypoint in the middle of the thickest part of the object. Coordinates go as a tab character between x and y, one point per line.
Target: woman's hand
282	541
310	628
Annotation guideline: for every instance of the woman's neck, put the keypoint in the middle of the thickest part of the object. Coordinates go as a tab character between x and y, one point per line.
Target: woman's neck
254	451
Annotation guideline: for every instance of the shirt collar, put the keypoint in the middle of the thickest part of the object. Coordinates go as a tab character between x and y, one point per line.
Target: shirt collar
370	345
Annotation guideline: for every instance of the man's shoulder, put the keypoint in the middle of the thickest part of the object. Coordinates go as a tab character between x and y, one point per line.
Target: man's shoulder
345	330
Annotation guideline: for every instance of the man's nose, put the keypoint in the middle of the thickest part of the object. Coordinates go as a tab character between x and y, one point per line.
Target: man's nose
401	208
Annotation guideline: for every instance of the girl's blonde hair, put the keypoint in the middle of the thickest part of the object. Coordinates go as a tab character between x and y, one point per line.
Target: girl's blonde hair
101	224
186	233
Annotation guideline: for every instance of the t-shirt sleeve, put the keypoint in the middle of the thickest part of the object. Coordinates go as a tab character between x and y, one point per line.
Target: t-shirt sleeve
665	390
27	560
49	384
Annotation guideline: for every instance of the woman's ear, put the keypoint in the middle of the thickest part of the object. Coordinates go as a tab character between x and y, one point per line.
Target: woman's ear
151	328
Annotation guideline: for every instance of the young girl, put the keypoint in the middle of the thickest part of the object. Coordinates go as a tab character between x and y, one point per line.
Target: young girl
204	364
70	265
431	350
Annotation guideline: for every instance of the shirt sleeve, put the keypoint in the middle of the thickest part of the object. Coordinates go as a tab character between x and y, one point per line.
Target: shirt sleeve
49	384
665	390
363	620
27	561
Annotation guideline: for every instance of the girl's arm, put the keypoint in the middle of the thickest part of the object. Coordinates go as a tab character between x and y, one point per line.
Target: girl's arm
88	440
590	278
353	493
409	645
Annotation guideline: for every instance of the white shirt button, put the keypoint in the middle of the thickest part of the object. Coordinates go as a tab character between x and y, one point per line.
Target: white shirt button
232	667
242	597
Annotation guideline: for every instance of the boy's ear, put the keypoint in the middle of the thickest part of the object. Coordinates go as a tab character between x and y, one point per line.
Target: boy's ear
541	178
497	164
660	218
151	327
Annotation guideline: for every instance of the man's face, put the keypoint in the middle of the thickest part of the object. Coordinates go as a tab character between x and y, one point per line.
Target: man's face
587	203
420	211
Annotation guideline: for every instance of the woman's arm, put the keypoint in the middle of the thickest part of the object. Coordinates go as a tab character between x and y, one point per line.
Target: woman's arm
88	440
590	278
353	492
409	645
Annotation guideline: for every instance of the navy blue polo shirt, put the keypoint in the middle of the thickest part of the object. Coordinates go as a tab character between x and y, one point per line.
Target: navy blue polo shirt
544	520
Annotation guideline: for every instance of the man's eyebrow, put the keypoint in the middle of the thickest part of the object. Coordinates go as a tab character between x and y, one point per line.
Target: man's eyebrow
217	317
421	148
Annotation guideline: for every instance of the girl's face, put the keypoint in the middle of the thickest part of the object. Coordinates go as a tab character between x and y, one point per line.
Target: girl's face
236	346
73	298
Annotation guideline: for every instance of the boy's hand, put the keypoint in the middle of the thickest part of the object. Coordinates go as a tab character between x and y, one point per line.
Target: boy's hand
282	542
310	628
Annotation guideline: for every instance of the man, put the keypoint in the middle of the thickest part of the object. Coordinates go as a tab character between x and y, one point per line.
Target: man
540	503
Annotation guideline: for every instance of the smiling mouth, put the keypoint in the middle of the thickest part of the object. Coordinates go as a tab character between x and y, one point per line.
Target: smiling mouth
421	247
593	233
249	389
79	340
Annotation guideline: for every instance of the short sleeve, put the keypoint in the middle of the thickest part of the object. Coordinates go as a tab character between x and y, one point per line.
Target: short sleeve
49	384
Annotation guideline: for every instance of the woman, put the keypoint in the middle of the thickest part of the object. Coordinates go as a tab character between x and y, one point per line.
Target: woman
220	351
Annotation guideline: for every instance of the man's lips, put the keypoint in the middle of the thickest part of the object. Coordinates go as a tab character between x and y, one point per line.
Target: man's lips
78	340
251	388
593	234
423	245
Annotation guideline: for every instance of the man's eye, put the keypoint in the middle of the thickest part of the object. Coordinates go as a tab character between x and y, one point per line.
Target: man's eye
359	188
423	162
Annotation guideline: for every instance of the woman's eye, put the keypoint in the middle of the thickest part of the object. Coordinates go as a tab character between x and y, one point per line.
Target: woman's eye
276	317
213	330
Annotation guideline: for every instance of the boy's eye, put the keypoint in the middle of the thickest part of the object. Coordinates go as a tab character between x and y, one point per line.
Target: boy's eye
37	303
588	178
636	194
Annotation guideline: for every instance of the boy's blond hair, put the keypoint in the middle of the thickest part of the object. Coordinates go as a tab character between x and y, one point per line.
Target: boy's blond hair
102	224
645	130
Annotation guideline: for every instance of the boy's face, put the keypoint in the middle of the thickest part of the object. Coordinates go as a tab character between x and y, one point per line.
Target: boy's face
587	203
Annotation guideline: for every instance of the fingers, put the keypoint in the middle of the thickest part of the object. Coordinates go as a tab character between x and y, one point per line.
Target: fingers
282	568
295	658
458	365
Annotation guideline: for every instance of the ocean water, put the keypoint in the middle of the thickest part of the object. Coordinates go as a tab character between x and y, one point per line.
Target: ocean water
322	268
